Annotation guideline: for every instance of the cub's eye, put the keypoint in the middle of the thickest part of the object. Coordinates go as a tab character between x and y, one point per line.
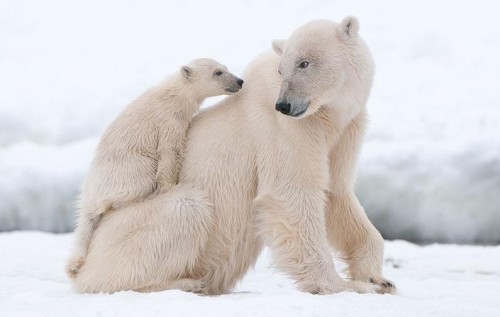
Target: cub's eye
304	64
218	73
279	72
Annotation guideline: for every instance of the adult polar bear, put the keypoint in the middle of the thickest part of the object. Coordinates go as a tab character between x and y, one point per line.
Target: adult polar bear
285	180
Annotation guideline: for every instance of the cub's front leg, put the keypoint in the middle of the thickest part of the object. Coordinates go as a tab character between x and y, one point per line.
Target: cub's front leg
167	174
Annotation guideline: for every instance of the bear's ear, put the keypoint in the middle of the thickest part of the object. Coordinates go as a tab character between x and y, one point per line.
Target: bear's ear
278	46
349	27
186	71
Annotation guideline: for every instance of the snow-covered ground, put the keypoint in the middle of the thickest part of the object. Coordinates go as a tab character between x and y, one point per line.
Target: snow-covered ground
436	280
430	170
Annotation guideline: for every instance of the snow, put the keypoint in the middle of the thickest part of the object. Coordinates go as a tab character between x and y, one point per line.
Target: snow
435	280
40	183
430	168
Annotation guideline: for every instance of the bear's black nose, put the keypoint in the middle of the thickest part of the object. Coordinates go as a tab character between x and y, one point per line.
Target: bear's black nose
240	82
282	107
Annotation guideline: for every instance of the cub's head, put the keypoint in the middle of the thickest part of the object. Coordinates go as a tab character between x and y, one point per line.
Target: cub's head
210	78
324	64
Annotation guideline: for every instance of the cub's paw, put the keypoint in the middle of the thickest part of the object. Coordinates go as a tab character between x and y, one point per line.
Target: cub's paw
385	286
73	266
162	188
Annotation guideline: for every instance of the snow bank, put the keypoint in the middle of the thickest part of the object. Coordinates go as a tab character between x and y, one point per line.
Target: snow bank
39	185
430	169
437	280
452	197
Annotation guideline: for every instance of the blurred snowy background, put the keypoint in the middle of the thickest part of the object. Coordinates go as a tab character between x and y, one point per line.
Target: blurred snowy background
430	168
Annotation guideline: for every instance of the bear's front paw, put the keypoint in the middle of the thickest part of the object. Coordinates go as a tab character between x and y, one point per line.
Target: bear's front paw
386	286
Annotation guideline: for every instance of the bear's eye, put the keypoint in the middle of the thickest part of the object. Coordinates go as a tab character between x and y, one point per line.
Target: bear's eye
279	72
304	64
218	73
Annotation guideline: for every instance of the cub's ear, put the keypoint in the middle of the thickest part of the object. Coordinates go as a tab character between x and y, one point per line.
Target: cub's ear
186	71
278	46
349	27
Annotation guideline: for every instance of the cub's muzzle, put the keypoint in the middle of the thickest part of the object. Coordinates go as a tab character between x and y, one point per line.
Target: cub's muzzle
235	86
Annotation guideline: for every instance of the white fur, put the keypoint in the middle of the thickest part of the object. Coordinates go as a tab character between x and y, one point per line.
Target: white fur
273	179
139	154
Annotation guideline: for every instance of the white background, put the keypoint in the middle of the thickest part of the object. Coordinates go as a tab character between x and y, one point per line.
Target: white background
430	169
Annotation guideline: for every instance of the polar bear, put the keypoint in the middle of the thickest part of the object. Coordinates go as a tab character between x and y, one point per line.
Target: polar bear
273	165
140	151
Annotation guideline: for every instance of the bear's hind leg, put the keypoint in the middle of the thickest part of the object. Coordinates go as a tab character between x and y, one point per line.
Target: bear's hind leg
183	284
143	245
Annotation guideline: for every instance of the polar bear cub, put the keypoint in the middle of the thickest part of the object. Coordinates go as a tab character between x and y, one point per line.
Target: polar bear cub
139	154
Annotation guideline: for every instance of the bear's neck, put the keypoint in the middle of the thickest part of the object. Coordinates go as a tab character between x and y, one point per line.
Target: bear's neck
328	123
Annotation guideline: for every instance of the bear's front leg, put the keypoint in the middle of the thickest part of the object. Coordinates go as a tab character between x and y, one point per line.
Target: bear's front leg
296	234
351	232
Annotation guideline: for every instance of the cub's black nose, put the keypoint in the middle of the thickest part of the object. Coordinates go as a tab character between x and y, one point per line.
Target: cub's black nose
282	107
240	82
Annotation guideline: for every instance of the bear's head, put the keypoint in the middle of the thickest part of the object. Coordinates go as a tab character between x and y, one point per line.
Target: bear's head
209	78
324	64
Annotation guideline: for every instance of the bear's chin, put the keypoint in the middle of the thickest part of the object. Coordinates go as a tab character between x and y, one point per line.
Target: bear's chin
300	114
310	110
